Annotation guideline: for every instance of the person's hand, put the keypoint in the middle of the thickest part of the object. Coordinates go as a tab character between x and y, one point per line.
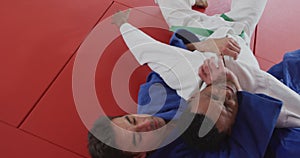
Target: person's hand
221	46
228	46
209	72
120	18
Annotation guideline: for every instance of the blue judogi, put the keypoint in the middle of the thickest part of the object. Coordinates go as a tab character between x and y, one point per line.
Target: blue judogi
251	133
285	142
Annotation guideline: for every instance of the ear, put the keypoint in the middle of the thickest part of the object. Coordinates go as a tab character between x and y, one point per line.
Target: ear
141	155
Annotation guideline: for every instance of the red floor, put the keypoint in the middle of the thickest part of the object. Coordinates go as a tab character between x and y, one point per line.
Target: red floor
39	43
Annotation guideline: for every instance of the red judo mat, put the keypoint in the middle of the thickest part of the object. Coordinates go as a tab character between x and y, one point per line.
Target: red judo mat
40	42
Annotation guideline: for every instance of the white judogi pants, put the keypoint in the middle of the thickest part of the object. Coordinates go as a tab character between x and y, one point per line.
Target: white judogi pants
179	67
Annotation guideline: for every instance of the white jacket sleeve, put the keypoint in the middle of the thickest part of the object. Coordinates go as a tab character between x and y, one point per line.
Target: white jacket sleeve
177	67
254	80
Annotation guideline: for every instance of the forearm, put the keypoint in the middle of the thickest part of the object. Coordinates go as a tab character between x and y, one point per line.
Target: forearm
221	46
205	46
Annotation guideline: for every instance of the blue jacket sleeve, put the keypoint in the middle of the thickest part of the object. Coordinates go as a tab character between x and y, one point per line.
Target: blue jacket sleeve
157	98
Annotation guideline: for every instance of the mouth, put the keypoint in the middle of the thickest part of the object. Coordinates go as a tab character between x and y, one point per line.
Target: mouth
155	124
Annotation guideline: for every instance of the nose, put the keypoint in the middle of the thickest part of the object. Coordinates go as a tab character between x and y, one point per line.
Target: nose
144	125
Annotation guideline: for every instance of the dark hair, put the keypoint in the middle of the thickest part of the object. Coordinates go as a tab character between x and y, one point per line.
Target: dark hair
186	36
97	148
211	141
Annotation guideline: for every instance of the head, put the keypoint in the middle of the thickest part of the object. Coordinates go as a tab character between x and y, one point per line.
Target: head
219	103
218	106
115	137
97	148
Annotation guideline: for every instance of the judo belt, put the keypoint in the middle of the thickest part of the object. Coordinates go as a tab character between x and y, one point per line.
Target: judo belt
201	31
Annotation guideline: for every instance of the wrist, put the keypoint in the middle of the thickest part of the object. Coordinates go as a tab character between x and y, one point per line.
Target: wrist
200	46
190	46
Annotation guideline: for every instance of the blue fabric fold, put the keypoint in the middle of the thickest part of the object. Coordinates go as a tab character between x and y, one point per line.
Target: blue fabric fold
285	142
166	102
288	71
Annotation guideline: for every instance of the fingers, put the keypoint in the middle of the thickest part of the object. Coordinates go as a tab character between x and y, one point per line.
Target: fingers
212	65
206	67
220	63
210	71
231	53
201	72
203	75
235	44
204	72
232	48
209	65
120	17
127	12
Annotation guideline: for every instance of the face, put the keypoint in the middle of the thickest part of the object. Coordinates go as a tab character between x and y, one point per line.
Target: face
139	125
221	99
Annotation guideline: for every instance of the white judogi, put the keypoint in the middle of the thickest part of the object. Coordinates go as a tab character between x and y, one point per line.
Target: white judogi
179	67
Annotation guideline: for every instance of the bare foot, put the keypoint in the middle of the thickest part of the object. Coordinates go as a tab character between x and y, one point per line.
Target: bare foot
201	3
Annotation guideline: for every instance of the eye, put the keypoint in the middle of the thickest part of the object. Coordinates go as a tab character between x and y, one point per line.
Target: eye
131	120
134	121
